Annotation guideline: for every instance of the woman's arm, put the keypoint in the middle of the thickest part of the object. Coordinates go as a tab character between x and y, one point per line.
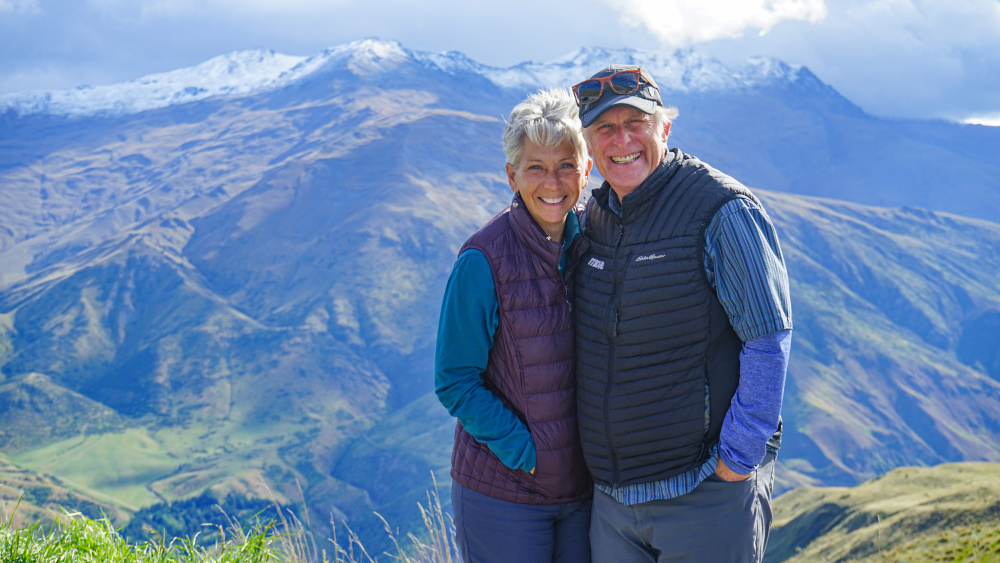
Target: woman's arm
469	320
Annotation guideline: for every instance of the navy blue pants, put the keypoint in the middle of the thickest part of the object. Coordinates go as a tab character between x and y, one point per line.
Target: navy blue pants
491	530
717	522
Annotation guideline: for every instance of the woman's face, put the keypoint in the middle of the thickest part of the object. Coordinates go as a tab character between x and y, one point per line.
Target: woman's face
550	181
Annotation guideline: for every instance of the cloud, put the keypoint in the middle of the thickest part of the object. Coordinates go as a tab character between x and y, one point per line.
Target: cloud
684	22
894	58
19	7
992	120
240	8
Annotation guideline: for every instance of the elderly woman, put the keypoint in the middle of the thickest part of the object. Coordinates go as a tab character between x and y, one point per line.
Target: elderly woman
505	357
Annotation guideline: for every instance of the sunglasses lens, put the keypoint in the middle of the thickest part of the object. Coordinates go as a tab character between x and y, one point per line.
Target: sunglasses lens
625	82
589	91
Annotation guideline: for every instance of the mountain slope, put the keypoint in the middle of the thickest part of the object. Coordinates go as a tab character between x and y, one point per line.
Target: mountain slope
883	299
27	497
943	513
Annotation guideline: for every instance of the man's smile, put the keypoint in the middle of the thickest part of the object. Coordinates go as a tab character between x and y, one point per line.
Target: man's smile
625	159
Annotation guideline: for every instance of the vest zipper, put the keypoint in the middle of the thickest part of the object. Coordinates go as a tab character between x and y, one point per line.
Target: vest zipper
619	282
607	419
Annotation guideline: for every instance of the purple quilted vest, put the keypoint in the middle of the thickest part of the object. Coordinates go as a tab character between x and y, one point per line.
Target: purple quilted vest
531	365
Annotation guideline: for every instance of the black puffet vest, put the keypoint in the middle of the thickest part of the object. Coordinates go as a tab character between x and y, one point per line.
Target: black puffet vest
657	359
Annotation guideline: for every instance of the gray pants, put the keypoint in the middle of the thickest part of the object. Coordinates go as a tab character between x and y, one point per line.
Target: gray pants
717	522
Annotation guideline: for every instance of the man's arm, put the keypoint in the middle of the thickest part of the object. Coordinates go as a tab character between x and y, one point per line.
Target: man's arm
469	319
746	267
756	407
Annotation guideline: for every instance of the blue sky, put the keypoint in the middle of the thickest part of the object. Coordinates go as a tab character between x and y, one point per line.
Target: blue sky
894	58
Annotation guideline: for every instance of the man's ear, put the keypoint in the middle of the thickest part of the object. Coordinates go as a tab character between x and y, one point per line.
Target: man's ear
666	131
510	177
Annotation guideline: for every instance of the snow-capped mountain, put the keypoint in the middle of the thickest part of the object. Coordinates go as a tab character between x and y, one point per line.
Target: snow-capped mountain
248	72
238	73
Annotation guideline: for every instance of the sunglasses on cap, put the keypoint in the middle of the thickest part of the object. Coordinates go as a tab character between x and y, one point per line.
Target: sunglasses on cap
623	82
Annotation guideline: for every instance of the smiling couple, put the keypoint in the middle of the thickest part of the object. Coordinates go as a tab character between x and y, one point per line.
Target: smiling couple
616	371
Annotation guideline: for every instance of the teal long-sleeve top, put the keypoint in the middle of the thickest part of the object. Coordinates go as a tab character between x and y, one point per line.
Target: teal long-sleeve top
470	315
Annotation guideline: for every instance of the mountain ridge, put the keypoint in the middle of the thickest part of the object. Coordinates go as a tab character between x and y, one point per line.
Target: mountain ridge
256	71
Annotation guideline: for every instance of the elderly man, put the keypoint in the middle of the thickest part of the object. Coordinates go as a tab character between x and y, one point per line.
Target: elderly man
683	335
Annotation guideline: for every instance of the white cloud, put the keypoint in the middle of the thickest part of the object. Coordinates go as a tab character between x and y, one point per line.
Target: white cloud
895	58
317	8
20	7
989	120
684	22
147	10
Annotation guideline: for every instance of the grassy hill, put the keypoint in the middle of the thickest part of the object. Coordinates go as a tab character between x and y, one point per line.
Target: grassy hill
945	513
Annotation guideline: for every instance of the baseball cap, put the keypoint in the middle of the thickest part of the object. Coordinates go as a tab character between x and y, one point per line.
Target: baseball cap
645	98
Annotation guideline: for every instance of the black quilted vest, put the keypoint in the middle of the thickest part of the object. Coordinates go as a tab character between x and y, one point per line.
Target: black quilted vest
657	360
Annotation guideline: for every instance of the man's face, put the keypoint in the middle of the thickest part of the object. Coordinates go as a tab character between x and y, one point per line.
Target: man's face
626	146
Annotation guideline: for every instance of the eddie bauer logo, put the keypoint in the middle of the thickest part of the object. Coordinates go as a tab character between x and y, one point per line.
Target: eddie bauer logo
650	257
595	263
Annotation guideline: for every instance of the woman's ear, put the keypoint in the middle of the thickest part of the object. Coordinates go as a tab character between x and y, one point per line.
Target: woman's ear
511	177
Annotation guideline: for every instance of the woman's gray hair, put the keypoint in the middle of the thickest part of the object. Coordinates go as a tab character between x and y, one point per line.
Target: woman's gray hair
546	118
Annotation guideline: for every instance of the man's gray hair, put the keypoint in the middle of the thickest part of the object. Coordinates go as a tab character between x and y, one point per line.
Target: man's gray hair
546	118
665	115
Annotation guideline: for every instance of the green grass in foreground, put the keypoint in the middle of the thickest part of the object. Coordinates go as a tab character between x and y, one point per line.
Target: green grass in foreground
78	539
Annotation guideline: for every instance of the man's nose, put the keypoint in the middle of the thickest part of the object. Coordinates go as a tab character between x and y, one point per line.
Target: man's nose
622	137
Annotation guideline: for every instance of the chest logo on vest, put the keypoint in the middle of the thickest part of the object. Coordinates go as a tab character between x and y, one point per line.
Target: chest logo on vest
595	263
650	257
